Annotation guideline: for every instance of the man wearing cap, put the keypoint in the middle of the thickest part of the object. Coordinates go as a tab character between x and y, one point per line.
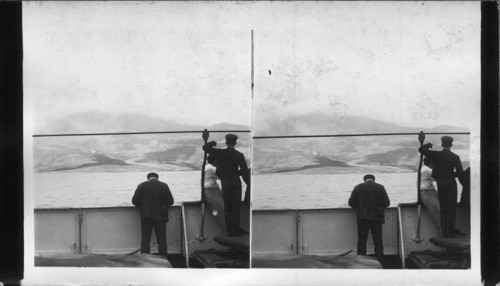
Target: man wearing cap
230	164
153	197
447	167
369	199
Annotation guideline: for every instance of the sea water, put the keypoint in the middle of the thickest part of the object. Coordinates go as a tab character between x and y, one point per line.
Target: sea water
106	189
269	191
325	190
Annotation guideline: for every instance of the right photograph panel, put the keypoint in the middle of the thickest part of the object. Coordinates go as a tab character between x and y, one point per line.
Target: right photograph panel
365	128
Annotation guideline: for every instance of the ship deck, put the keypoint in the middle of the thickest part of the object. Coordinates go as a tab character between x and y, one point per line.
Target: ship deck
103	260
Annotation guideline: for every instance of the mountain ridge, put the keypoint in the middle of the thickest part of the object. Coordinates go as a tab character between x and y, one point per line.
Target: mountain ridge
100	122
319	124
183	151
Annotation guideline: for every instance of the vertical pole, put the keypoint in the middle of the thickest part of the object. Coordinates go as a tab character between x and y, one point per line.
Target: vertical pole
251	146
296	248
185	241
205	135
252	63
421	138
80	232
401	238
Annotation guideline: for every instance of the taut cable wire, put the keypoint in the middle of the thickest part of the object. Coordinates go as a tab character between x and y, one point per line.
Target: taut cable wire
357	135
138	133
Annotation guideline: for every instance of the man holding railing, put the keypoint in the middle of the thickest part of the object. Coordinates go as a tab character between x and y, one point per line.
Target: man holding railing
447	166
230	165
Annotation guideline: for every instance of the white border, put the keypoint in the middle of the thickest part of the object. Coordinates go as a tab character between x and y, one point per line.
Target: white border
128	276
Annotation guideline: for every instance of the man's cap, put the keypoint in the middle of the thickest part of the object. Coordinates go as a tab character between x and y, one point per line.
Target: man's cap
368	176
231	138
447	139
152	175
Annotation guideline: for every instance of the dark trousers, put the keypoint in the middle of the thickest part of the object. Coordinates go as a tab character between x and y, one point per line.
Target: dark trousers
231	194
447	195
147	225
376	229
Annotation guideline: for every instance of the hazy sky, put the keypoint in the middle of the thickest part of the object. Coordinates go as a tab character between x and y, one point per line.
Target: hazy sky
412	63
177	61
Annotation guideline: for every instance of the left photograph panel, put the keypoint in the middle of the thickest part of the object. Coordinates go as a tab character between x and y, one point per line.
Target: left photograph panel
140	118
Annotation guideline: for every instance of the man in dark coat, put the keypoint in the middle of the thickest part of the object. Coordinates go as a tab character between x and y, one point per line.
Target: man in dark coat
153	197
447	167
369	199
230	164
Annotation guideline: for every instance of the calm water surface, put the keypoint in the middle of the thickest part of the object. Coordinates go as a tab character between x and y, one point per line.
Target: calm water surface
276	191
